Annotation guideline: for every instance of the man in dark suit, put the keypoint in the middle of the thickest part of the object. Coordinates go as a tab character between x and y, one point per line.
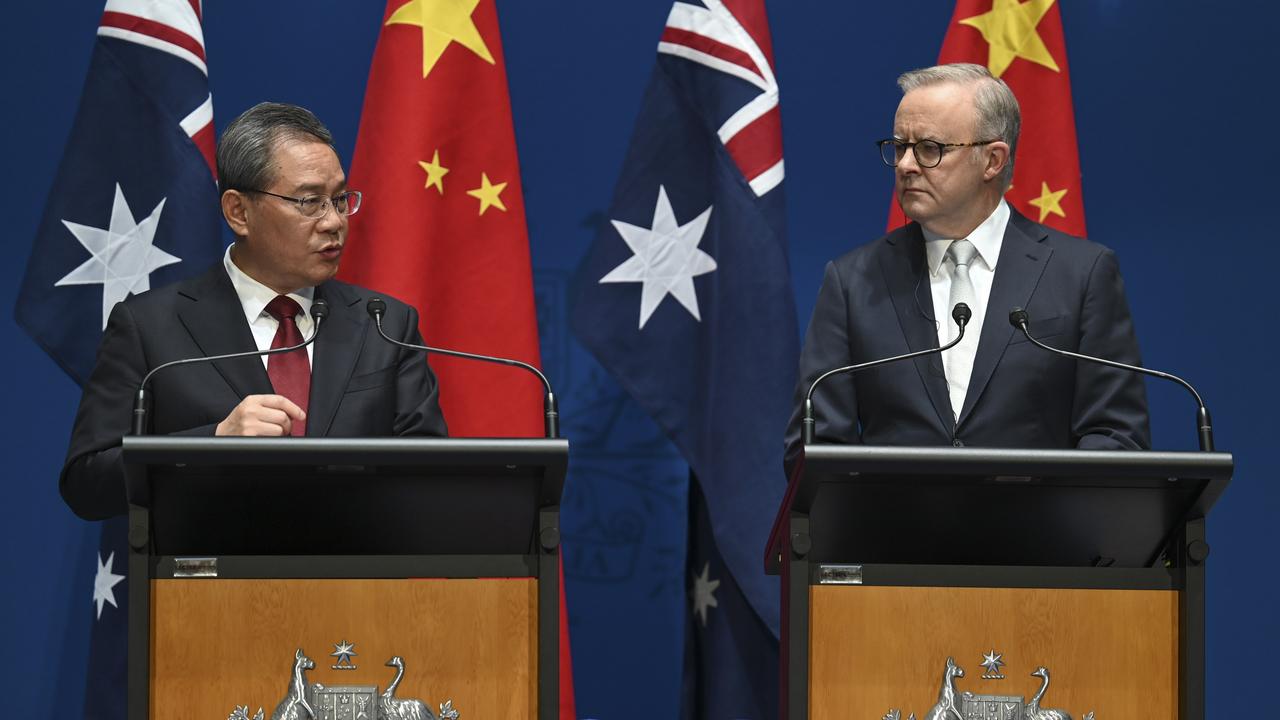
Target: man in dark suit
284	196
955	133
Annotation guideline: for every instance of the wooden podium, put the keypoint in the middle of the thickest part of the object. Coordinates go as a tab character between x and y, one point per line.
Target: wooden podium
1084	565
440	553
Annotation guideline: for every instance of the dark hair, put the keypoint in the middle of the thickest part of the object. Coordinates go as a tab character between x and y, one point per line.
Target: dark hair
244	150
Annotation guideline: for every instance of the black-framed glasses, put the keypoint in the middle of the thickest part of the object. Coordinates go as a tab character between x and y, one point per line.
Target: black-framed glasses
314	206
928	152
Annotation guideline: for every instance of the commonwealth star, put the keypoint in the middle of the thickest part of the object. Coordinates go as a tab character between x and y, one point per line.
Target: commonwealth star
666	258
122	255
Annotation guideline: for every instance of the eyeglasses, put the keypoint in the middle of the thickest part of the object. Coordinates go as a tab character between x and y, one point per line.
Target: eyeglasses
928	152
314	206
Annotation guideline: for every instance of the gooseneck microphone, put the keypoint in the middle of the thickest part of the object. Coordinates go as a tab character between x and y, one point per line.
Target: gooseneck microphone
319	311
377	307
1019	319
960	313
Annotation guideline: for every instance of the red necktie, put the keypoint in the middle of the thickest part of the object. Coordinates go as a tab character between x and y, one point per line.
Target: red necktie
290	372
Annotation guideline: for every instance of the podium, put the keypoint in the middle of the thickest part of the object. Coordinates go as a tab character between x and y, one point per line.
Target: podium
430	564
959	579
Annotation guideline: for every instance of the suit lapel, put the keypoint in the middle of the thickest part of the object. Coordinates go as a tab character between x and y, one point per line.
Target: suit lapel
1023	257
334	358
905	274
216	323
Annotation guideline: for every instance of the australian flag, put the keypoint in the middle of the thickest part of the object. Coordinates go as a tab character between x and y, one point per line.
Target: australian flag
685	297
134	206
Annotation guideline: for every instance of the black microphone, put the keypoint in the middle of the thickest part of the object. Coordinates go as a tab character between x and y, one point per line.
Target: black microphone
960	313
377	307
319	311
1204	428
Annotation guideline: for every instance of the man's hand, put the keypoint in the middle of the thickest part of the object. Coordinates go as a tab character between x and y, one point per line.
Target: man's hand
262	416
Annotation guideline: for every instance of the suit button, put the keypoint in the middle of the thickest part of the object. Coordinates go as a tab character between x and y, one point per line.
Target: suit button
957	442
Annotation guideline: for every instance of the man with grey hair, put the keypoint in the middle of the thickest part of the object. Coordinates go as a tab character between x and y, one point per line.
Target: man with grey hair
285	198
954	137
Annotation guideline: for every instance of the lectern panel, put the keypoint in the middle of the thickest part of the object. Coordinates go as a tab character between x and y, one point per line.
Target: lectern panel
1111	652
218	643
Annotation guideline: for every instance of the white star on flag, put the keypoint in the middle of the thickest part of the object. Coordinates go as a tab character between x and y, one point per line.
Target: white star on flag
104	581
704	593
122	254
666	258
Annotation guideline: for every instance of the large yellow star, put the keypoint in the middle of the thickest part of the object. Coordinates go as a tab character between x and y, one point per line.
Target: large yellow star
442	22
1010	31
488	194
1049	202
435	172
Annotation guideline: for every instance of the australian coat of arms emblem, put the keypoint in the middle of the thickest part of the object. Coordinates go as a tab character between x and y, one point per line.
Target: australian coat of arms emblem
315	701
953	705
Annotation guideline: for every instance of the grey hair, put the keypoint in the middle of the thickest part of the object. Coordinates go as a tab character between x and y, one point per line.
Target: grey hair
998	114
246	145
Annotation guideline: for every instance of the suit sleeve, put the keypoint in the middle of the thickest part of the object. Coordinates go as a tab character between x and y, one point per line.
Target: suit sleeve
826	346
1109	410
92	480
417	391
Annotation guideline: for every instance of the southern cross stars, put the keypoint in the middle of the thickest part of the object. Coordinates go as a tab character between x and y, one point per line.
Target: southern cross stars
103	583
666	258
704	593
122	256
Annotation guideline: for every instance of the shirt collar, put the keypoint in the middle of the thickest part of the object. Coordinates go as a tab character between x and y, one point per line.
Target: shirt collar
986	238
254	296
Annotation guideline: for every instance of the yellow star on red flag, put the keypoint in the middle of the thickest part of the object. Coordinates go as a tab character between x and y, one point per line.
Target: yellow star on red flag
1010	31
1050	201
443	22
488	194
435	172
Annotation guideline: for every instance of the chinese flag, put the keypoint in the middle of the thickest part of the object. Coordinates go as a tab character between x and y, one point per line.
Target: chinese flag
1022	44
442	226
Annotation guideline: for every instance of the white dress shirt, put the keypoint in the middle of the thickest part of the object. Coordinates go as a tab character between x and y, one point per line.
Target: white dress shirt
987	239
254	297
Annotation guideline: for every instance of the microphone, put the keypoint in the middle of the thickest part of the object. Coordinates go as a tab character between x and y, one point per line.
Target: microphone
1204	427
377	307
319	311
960	313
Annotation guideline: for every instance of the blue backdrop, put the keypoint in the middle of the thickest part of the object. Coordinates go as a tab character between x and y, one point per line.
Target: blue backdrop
1172	106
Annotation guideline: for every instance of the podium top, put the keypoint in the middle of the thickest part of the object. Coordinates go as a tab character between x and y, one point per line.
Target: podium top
355	496
903	504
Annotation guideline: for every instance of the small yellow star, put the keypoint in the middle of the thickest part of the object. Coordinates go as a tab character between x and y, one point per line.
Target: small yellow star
488	194
435	172
442	22
1049	202
1010	31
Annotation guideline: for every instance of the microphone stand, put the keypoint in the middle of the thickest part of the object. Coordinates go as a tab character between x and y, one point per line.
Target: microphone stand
961	314
1204	427
377	307
319	311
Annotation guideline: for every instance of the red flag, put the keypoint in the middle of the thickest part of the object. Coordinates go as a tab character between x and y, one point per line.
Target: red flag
1022	44
443	223
442	226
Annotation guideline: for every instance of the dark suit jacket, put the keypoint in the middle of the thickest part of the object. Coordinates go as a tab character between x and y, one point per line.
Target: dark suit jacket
361	385
875	302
